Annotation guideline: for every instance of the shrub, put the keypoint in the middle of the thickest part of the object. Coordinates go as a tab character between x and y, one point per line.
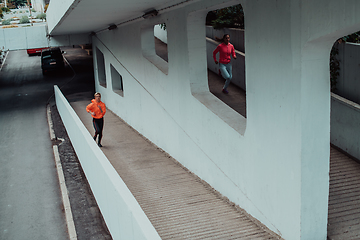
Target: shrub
33	10
24	19
20	11
1	14
227	17
5	9
41	16
6	22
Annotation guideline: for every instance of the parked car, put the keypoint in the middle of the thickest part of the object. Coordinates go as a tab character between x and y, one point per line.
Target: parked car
52	59
35	51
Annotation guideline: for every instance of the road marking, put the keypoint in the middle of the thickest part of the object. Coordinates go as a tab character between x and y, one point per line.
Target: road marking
64	192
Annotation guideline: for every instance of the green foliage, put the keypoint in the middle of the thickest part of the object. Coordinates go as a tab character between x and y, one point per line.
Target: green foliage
5	9
334	66
163	26
334	62
33	10
17	3
355	38
24	19
41	16
20	11
230	17
1	14
6	22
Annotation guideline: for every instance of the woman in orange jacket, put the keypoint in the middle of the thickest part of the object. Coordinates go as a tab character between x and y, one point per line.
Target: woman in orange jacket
97	109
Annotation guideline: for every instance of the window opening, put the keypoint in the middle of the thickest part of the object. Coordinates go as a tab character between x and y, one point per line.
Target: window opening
219	22
160	37
154	46
101	67
117	83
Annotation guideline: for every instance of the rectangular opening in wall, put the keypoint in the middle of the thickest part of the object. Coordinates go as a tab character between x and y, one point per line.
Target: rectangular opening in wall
117	83
154	48
160	35
100	61
226	76
206	83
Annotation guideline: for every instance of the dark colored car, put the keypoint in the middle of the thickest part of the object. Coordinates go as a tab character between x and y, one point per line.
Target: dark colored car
52	59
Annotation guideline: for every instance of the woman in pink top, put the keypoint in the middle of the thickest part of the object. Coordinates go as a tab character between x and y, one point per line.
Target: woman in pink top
226	50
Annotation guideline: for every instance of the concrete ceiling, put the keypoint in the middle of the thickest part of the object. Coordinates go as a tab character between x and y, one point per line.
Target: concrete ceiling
94	15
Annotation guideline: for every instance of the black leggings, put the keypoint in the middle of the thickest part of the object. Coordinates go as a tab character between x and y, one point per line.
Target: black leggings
98	125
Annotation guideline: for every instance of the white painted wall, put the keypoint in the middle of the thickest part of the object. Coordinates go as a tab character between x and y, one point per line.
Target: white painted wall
23	37
275	163
38	5
348	84
123	215
345	127
55	12
36	37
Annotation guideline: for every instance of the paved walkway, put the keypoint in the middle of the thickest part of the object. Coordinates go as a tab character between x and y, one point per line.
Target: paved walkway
178	203
344	197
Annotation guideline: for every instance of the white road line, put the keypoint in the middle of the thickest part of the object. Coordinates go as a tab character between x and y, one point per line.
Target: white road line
64	192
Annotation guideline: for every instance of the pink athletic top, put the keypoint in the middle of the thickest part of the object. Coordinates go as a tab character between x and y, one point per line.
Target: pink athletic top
225	53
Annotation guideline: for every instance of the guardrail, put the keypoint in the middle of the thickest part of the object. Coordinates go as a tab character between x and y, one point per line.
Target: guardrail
345	125
123	215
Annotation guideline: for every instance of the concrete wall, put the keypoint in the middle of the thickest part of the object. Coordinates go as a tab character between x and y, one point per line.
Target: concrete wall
38	5
55	12
123	215
238	65
237	36
23	37
348	84
36	37
275	163
345	127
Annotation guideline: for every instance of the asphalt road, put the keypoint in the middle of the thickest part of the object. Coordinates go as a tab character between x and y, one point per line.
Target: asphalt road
30	202
30	199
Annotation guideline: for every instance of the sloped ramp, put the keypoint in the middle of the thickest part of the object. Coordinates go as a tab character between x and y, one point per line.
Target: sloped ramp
344	197
178	203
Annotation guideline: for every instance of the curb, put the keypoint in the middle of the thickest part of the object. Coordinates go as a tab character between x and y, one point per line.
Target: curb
64	192
4	60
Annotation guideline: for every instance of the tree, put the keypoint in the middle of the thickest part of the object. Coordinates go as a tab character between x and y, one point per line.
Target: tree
18	2
334	62
227	17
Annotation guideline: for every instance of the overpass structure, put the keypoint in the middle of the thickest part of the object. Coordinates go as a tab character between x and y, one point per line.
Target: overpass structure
275	162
